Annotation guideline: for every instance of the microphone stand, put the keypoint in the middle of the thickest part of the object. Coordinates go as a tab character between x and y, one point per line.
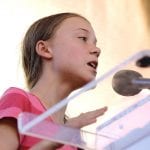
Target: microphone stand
142	83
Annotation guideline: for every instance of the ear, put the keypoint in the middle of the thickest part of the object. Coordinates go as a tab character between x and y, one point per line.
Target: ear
43	49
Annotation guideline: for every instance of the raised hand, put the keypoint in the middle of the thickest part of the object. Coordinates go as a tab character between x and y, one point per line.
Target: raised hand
85	119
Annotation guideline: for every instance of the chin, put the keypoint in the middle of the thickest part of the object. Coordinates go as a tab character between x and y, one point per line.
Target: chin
88	80
82	81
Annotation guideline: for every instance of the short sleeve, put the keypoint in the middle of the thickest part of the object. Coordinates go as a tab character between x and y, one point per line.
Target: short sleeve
12	104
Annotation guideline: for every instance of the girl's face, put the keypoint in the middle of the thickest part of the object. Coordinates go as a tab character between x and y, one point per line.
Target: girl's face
75	55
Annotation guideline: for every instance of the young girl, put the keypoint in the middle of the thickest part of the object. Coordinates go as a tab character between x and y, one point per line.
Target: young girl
59	55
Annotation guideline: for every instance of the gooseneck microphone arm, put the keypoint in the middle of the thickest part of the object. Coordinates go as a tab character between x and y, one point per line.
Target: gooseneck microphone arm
142	83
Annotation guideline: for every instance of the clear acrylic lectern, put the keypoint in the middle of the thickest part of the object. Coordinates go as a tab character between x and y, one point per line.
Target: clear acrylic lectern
123	130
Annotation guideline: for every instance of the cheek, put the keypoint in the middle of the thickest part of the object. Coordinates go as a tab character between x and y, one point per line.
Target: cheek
70	51
76	51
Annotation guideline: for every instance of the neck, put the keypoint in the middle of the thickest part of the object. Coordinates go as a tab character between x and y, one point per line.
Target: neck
50	93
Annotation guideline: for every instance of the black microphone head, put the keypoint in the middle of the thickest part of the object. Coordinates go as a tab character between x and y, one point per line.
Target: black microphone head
122	82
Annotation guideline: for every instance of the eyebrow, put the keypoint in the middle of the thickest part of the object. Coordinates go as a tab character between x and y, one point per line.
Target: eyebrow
95	40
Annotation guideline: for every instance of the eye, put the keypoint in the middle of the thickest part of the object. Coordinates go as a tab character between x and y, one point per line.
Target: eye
83	38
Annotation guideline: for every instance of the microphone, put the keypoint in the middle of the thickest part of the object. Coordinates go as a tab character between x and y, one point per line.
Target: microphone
129	82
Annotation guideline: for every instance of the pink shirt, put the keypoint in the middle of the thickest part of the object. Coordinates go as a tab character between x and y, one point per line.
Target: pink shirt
13	102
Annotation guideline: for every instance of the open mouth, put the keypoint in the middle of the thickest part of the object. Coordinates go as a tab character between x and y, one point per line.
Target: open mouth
93	64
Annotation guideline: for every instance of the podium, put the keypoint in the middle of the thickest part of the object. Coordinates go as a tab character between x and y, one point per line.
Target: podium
129	128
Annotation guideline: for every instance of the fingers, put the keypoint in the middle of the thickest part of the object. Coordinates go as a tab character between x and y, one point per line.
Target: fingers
91	117
87	118
96	113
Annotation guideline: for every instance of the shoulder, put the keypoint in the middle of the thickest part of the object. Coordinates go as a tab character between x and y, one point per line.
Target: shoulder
14	96
15	90
13	102
16	100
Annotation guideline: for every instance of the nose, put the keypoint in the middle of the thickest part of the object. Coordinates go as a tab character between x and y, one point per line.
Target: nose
96	51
